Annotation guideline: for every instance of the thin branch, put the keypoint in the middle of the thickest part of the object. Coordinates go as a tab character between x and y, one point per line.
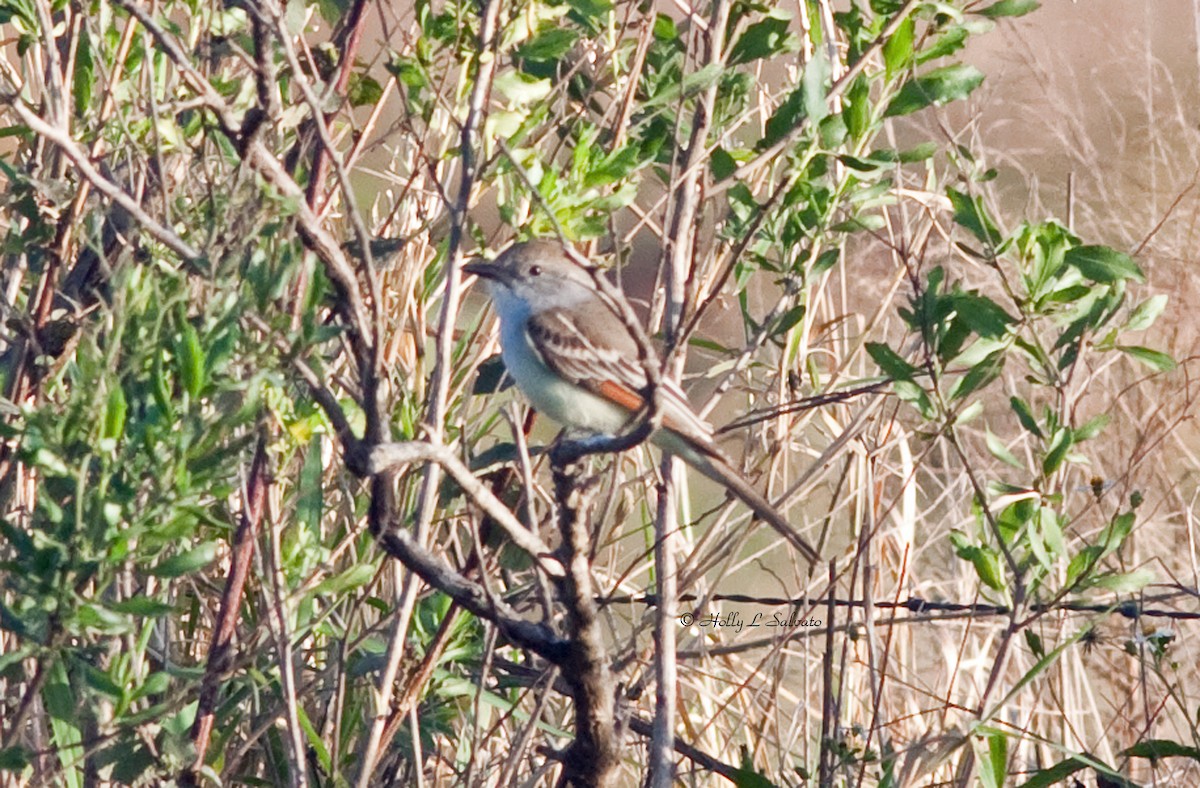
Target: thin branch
219	653
592	759
63	141
538	638
277	620
260	159
384	457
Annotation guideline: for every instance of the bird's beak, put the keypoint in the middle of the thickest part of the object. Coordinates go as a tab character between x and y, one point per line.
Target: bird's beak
482	269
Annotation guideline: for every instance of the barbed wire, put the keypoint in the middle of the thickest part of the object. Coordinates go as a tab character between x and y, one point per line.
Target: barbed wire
1129	609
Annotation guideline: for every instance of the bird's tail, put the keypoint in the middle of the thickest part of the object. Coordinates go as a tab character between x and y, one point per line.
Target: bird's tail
720	471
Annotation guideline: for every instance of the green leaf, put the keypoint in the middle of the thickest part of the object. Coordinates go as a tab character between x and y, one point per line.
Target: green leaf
1009	8
57	695
788	320
664	28
13	759
520	88
1081	564
1051	530
985	317
862	164
1059	772
978	376
994	769
1155	359
922	152
790	114
161	383
1001	452
767	38
613	167
912	393
898	50
314	740
114	414
332	10
102	683
310	502
951	40
548	45
155	684
191	361
987	566
1025	415
857	112
1068	295
1056	453
722	164
985	560
868	222
1125	582
825	261
1146	313
363	90
180	723
970	213
747	776
692	84
816	74
409	73
188	561
60	702
1116	532
1156	749
84	74
129	762
141	606
938	87
1092	428
591	14
1102	264
354	577
890	361
1034	641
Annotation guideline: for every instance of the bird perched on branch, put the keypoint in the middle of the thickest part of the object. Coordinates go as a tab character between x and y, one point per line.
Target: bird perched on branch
572	347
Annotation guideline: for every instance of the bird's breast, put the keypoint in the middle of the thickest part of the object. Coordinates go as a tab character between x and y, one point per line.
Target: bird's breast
553	395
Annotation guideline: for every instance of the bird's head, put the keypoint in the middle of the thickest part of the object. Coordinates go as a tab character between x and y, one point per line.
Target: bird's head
540	272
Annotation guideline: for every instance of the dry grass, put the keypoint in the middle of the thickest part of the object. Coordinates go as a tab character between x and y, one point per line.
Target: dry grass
870	689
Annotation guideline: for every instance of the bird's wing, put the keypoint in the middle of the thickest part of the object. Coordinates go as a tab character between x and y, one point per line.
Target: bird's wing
592	347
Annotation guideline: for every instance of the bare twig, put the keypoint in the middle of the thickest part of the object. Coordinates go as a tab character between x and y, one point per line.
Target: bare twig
679	253
277	619
262	160
592	759
62	139
439	388
538	638
219	654
386	456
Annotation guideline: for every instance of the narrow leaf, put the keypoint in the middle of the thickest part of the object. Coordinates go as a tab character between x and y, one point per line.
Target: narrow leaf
1155	359
1102	264
1146	313
1025	415
938	87
1009	8
1161	748
890	361
188	561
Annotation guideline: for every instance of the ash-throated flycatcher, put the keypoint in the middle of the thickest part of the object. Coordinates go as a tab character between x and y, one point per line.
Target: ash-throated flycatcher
575	358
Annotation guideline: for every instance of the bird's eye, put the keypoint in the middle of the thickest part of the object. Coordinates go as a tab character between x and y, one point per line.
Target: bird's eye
535	270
